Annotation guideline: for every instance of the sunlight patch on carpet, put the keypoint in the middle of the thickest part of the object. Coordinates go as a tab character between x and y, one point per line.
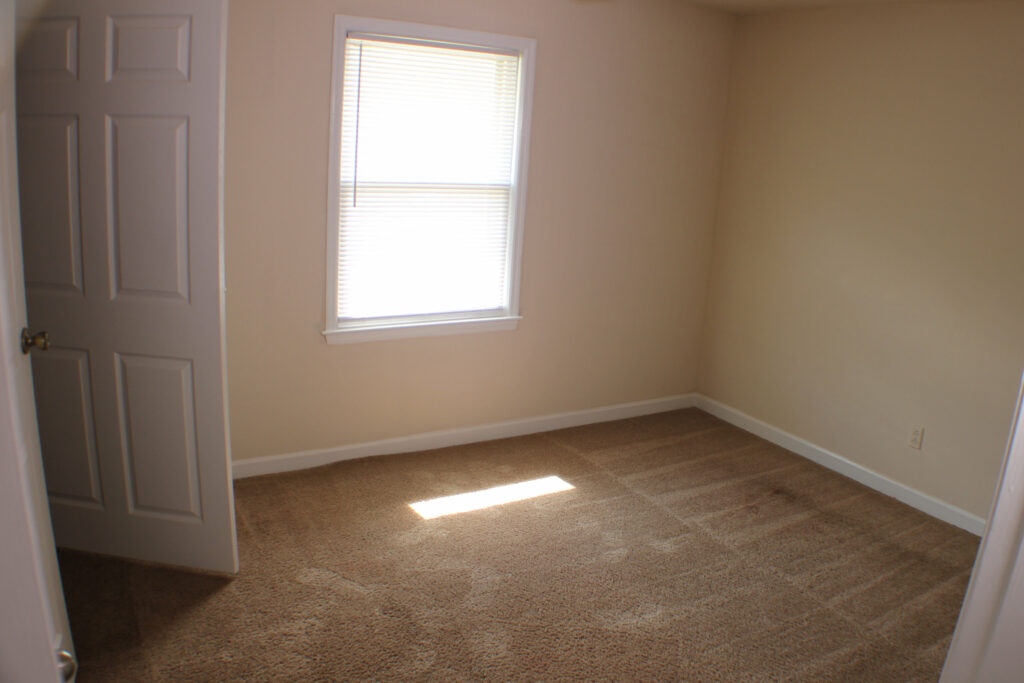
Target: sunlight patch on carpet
485	498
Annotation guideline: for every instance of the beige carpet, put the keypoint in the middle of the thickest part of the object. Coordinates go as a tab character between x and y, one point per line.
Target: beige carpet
688	550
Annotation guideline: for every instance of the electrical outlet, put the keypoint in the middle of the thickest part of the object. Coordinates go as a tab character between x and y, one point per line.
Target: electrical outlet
916	439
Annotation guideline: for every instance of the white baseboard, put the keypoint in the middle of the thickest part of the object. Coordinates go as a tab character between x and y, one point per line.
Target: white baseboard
287	462
901	492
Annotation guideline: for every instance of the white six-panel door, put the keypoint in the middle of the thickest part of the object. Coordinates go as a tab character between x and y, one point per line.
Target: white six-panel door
120	117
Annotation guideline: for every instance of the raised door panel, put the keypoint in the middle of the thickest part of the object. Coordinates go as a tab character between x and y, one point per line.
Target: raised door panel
149	48
50	49
50	213
158	436
67	427
147	165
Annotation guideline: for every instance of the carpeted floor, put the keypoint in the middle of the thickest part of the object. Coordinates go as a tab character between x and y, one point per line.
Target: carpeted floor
689	550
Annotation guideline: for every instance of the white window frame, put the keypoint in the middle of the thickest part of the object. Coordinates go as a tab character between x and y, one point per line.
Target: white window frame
441	324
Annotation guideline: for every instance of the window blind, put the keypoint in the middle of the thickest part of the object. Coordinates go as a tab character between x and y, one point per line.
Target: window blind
426	178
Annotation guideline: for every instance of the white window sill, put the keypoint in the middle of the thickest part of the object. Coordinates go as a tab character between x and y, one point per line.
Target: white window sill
437	328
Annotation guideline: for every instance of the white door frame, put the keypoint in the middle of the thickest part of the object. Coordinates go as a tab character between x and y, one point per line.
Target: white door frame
987	645
33	624
26	650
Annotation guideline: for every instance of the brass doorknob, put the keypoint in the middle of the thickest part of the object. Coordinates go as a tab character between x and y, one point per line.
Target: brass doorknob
40	340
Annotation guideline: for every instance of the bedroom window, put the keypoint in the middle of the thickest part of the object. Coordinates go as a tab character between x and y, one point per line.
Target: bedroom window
429	132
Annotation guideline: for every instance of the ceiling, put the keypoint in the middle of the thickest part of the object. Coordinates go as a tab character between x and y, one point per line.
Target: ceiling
767	5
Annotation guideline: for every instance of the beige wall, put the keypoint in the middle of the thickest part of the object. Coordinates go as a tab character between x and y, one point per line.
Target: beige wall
867	274
622	179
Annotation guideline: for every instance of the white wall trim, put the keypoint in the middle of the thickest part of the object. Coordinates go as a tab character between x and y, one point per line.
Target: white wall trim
506	318
837	463
435	328
287	462
930	505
